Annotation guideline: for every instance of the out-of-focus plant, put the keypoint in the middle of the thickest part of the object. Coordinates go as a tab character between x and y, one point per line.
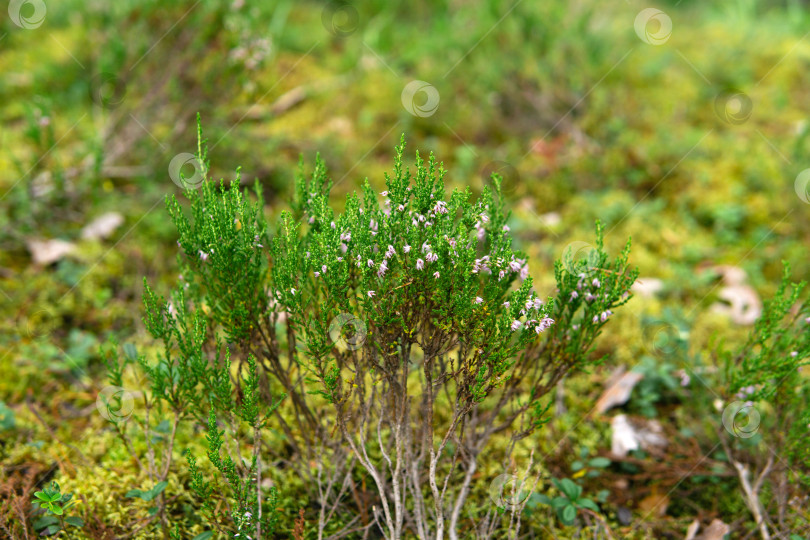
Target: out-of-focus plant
768	419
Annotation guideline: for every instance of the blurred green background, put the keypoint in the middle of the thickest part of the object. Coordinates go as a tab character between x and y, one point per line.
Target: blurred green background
685	128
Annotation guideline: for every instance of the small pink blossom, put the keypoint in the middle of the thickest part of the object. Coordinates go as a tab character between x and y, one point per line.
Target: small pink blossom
203	256
544	325
371	294
516	325
478	300
370	263
406	249
391	251
432	257
436	275
420	264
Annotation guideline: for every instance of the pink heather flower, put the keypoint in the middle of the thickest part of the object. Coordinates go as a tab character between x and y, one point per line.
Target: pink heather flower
371	294
484	218
452	242
203	256
317	274
413	222
807	320
506	228
440	208
171	309
311	220
478	300
361	210
332	224
406	249
501	274
516	324
544	325
524	272
481	234
420	264
514	266
436	275
346	237
384	194
506	304
370	263
383	269
574	295
323	268
432	257
538	303
292	291
794	354
391	251
401	208
425	247
589	297
420	217
596	283
685	379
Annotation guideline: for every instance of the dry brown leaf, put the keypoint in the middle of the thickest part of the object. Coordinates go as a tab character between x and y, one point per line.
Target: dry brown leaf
715	531
618	389
654	504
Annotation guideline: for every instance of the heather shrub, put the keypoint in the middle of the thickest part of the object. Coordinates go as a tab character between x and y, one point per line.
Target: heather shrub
374	351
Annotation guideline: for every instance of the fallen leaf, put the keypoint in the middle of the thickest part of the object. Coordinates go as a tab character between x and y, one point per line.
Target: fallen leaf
618	390
744	306
716	530
103	226
45	252
627	435
692	530
647	287
654	504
